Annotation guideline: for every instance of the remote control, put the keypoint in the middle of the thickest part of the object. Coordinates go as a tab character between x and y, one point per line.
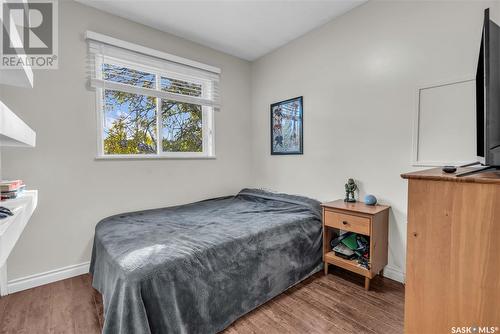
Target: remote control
449	169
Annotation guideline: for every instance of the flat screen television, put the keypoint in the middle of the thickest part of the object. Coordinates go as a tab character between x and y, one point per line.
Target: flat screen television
488	95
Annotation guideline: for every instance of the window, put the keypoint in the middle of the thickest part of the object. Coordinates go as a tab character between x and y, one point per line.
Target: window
151	108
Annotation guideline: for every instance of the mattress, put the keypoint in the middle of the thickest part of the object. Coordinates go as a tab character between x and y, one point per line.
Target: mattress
196	268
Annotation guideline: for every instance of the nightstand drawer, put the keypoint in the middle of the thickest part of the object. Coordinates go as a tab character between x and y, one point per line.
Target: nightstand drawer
347	222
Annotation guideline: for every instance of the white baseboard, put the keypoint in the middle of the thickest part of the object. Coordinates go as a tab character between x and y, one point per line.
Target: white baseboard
394	274
32	281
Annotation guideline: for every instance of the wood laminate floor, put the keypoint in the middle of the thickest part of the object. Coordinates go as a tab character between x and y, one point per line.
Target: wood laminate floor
336	303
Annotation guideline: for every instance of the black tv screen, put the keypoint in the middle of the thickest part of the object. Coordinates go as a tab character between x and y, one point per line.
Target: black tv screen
488	94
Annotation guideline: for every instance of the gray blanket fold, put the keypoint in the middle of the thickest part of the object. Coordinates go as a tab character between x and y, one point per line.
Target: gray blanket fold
196	268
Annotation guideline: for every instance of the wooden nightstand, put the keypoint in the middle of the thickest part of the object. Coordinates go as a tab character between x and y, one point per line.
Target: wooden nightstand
371	221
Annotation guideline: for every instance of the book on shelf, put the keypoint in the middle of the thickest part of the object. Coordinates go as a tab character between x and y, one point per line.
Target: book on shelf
6	185
11	189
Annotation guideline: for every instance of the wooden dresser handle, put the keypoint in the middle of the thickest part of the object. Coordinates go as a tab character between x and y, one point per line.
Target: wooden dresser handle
344	222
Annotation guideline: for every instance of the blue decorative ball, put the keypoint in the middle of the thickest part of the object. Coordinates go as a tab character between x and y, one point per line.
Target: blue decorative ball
370	200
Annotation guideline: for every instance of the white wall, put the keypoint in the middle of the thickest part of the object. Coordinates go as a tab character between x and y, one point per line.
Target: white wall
76	191
358	75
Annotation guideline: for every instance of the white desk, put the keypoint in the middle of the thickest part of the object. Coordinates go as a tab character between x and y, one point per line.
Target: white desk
12	227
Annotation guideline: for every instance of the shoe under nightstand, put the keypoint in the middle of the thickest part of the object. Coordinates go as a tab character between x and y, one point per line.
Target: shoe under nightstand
367	220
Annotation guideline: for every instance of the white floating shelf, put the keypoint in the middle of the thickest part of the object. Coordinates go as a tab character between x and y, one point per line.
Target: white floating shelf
18	77
13	131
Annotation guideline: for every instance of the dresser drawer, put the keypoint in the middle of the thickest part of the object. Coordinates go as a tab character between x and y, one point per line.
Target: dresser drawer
347	222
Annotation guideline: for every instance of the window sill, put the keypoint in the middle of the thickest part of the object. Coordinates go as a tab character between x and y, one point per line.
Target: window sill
155	157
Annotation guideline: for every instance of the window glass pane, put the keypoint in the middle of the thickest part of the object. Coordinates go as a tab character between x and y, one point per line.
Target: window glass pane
180	87
129	123
181	127
128	76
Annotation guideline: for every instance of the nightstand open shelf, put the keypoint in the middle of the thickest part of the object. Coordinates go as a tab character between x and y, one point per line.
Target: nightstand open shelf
370	221
351	265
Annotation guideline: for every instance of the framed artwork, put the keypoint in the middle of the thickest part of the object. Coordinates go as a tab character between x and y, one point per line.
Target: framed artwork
287	125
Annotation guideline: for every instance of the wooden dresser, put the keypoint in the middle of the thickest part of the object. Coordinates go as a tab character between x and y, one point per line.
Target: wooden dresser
453	252
370	221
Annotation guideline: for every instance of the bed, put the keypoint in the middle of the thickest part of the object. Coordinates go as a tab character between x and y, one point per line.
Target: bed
196	268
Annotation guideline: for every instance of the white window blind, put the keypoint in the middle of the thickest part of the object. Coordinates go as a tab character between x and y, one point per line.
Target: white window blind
179	79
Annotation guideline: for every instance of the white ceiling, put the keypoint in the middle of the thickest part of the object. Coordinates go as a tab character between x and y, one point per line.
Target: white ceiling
246	29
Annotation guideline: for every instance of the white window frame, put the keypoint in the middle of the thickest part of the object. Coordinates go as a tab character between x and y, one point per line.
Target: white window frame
208	115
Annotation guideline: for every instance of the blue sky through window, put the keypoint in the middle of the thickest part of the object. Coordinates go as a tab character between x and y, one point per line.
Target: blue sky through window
130	119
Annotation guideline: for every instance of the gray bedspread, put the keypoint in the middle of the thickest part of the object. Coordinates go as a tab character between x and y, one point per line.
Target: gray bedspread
196	268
